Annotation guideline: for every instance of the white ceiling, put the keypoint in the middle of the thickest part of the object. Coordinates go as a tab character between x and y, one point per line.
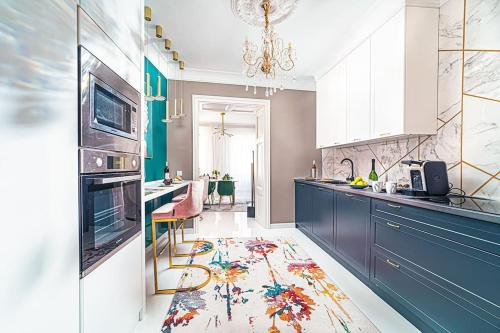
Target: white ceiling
209	37
237	114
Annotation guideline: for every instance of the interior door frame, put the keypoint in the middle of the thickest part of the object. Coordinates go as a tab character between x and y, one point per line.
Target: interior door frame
198	100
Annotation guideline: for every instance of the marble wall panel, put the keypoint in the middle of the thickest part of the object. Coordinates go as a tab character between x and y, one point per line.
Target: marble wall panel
449	85
482	25
450	25
482	73
445	145
481	131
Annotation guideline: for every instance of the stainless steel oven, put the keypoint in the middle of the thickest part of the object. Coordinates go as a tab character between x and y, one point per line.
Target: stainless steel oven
110	204
109	108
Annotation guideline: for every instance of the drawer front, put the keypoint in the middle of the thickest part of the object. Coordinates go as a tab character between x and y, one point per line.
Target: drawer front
468	272
352	230
475	233
432	304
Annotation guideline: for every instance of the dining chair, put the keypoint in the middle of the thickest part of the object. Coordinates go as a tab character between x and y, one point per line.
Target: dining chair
225	188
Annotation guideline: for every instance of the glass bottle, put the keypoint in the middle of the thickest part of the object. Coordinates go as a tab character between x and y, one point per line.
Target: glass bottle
373	177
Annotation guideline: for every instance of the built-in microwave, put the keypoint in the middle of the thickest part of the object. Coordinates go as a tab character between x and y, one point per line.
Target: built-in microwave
109	108
110	205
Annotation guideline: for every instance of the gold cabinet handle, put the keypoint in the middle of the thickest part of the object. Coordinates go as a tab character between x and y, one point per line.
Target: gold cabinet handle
393	225
384	134
393	206
393	264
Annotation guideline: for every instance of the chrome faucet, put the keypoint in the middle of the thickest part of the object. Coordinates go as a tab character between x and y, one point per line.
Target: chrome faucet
349	179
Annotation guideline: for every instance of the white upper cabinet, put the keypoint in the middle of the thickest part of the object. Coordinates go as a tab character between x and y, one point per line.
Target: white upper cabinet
338	95
358	94
324	115
387	86
388	64
331	108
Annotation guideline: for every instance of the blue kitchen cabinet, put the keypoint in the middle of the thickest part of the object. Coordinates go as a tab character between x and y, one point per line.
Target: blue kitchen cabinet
314	213
303	207
322	216
352	231
440	269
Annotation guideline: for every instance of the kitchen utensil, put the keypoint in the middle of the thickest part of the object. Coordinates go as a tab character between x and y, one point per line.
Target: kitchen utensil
377	186
391	187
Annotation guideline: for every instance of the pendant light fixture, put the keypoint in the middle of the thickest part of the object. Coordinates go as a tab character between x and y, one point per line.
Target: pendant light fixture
181	83
158	96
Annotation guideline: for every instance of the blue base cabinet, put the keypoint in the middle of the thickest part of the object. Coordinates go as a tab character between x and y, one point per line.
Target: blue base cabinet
314	213
440	271
352	231
322	222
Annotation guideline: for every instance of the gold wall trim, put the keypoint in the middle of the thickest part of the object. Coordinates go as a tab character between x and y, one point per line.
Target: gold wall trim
453	166
464	19
482	97
484	184
376	157
479	169
480	50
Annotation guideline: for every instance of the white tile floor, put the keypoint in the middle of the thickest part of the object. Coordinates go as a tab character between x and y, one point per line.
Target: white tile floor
228	224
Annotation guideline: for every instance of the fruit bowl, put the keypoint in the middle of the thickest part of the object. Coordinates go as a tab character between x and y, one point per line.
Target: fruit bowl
359	187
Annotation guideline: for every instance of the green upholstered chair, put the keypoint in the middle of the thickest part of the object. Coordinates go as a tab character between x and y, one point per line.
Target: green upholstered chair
225	188
212	185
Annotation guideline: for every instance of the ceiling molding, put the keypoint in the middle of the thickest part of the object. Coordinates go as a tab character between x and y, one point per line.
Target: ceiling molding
211	76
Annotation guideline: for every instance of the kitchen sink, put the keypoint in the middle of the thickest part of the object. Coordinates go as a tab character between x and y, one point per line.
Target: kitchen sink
334	182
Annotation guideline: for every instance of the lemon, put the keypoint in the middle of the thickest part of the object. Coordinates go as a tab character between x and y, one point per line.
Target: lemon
357	179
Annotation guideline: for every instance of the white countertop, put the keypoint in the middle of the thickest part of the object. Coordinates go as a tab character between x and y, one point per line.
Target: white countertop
160	189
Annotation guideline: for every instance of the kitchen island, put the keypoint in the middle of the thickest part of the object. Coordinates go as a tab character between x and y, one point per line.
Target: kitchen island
156	189
156	194
436	262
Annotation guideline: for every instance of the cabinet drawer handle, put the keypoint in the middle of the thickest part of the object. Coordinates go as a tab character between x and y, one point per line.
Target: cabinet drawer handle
349	195
393	264
384	134
336	143
393	206
356	139
393	225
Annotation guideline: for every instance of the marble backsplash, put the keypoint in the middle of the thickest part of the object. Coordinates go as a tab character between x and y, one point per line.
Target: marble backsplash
468	137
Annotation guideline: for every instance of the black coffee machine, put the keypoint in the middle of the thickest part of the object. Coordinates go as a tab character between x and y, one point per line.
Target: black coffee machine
427	178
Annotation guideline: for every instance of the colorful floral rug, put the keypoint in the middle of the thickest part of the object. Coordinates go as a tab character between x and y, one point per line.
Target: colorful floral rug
262	285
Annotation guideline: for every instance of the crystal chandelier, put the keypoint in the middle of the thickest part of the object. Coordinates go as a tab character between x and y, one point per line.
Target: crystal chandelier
270	62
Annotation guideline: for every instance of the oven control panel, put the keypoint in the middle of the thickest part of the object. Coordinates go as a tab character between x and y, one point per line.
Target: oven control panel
100	161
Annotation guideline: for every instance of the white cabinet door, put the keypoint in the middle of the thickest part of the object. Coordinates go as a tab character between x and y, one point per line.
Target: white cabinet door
338	92
388	75
324	113
122	21
358	93
111	295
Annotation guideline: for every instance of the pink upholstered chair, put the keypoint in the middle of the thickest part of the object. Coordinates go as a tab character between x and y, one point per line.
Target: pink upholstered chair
178	212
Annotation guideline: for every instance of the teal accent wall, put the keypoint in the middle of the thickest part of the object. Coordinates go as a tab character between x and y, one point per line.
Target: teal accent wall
156	135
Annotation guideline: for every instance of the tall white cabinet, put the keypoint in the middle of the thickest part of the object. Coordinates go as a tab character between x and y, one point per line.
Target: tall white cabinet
386	87
358	80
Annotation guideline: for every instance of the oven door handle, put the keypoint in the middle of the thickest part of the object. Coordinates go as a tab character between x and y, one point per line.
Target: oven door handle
101	181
